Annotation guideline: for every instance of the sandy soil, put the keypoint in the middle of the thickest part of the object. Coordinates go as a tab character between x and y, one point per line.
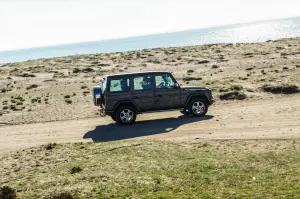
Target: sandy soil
257	119
49	100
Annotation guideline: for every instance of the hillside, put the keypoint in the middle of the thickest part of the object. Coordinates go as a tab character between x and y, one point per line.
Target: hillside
60	88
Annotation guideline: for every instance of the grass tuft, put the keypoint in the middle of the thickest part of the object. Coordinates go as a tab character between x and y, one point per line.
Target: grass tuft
68	101
75	169
63	195
191	78
32	86
50	146
236	87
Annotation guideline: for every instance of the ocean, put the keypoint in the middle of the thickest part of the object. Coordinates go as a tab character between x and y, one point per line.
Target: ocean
238	33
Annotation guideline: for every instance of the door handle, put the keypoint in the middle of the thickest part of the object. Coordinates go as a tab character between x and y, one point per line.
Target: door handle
135	97
158	95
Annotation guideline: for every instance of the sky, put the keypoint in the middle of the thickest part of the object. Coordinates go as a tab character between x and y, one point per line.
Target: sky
37	23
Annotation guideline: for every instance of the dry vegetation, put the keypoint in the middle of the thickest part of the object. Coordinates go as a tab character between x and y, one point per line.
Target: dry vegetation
43	84
155	169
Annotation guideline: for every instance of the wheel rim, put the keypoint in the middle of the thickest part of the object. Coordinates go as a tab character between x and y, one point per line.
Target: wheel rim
126	115
198	108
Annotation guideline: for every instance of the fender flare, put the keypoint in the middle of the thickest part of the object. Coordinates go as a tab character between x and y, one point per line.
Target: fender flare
194	96
126	102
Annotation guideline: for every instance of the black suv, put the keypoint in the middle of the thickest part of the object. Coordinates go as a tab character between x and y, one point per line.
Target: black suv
123	96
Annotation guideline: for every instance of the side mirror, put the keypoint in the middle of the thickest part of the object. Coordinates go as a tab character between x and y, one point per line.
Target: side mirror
177	85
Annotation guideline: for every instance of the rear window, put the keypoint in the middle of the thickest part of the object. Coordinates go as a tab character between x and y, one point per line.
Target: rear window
119	85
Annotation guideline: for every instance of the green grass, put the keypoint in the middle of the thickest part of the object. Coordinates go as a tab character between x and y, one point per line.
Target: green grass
156	169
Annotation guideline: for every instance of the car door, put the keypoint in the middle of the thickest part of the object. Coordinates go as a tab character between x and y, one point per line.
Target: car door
167	95
119	89
143	95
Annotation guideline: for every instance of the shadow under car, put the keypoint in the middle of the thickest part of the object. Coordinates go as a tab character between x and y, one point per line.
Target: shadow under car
113	131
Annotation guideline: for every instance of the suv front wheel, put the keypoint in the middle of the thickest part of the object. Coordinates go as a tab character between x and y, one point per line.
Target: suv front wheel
126	115
198	107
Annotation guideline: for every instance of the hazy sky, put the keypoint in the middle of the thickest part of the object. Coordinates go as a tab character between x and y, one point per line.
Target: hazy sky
34	23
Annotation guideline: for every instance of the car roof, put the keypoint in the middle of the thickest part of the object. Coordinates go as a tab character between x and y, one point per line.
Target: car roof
138	73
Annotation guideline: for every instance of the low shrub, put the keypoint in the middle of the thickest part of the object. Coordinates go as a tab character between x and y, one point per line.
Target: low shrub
26	75
236	87
215	66
75	169
203	62
235	95
68	101
281	89
50	146
13	107
250	68
7	192
88	70
32	86
222	90
191	78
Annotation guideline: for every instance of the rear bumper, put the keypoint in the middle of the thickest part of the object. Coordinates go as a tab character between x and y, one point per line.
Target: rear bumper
102	110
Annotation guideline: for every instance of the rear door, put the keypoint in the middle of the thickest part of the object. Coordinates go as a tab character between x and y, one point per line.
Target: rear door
143	94
118	89
167	96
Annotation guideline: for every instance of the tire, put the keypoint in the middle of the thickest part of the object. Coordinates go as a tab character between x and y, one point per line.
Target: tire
126	115
198	107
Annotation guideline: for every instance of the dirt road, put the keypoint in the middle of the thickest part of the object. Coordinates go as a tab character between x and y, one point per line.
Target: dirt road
260	119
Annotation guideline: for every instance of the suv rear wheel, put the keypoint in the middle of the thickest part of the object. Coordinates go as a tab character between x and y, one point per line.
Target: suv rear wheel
126	115
198	107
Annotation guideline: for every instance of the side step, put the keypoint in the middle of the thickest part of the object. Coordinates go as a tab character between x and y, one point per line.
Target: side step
179	109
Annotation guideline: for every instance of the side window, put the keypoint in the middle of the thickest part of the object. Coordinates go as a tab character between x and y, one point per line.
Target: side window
119	85
164	81
142	83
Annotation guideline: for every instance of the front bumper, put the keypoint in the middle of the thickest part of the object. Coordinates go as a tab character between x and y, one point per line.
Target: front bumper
212	101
